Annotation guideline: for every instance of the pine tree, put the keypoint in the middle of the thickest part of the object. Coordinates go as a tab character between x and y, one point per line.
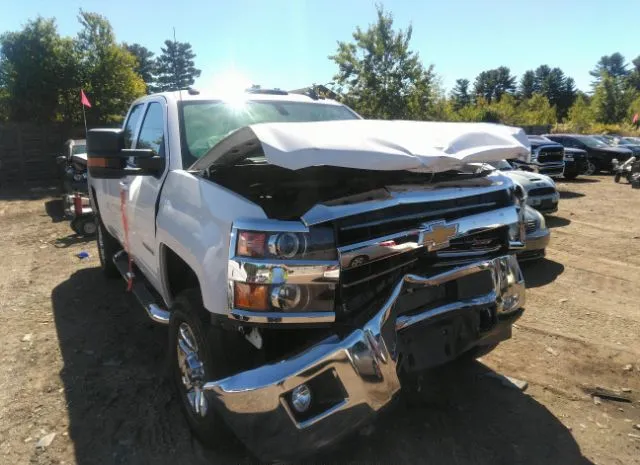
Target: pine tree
175	67
460	94
528	85
606	99
146	64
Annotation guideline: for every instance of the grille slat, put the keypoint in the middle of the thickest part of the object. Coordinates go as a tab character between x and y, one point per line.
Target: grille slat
541	191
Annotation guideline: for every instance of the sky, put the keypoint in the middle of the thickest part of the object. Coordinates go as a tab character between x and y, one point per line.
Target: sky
286	43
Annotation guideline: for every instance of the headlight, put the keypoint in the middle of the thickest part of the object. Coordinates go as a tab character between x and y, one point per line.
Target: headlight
541	221
517	230
318	244
284	271
534	155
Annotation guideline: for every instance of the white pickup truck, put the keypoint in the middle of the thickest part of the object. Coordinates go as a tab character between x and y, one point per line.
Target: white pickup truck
306	259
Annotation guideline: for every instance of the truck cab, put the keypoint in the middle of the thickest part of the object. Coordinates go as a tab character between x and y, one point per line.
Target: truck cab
306	260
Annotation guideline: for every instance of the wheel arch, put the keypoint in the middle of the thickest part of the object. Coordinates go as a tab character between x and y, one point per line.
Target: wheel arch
177	274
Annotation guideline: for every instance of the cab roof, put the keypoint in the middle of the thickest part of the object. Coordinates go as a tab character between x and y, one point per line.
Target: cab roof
261	95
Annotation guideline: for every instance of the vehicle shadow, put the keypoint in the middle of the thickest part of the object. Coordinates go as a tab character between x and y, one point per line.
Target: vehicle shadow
72	239
121	406
580	180
556	221
55	209
541	272
570	194
462	416
122	409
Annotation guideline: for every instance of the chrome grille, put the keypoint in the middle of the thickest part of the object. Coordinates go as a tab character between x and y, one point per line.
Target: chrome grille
550	154
369	269
380	223
531	226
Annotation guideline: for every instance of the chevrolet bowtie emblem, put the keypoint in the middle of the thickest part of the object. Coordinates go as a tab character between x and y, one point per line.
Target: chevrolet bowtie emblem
436	236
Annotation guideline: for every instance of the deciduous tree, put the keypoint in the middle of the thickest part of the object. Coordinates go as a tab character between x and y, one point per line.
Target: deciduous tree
378	74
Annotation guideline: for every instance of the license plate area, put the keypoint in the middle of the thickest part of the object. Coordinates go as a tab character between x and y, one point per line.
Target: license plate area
441	340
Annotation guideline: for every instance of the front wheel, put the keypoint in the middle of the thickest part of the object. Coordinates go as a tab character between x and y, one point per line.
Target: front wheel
197	354
592	168
571	176
617	177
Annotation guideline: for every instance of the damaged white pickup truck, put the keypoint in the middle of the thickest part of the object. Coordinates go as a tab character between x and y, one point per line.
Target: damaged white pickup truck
305	259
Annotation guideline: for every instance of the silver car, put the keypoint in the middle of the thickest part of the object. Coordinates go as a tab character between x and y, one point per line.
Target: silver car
537	235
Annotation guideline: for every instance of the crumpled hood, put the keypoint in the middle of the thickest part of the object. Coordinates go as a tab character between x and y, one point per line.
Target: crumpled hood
371	144
528	179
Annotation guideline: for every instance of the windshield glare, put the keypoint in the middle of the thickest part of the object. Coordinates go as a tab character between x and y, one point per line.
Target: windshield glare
591	142
502	165
206	123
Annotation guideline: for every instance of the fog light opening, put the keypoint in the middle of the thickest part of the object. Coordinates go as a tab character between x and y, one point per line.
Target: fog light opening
301	398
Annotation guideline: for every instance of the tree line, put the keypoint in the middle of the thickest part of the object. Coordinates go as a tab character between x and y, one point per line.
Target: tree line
41	72
378	74
381	77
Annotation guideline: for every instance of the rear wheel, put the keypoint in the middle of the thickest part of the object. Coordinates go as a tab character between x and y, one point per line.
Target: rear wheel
108	246
197	354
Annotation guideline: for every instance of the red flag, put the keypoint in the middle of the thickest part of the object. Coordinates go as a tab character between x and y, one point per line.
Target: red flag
635	119
84	100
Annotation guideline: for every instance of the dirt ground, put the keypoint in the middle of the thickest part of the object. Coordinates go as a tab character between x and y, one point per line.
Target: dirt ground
79	359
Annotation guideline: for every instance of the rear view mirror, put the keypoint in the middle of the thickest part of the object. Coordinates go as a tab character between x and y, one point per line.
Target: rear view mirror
107	157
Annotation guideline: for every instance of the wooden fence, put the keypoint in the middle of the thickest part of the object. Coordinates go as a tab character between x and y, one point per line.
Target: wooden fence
28	153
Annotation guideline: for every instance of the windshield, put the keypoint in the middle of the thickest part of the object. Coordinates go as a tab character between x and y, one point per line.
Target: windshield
502	165
206	123
592	142
76	149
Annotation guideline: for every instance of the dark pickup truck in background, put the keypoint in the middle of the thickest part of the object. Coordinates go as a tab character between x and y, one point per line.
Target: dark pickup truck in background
547	156
600	155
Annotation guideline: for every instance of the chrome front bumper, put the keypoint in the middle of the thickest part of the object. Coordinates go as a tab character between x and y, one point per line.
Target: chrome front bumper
535	244
256	403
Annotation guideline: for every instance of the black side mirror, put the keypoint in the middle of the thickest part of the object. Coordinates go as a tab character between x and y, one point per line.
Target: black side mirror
107	157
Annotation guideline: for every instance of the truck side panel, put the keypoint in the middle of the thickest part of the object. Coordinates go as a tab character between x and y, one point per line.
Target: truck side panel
194	220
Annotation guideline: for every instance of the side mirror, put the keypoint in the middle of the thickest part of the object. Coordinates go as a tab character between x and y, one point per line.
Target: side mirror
107	157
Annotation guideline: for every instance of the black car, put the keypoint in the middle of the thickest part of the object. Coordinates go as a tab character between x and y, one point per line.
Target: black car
600	154
575	160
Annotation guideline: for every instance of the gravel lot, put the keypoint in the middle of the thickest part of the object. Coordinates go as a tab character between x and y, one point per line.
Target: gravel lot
79	359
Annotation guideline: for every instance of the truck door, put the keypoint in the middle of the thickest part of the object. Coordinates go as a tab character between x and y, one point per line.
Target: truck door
143	191
110	205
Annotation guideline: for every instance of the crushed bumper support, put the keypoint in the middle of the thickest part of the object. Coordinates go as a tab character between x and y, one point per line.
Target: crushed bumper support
361	369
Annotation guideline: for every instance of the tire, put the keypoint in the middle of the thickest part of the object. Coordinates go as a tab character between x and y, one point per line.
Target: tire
358	261
108	246
190	318
617	177
84	226
592	168
570	176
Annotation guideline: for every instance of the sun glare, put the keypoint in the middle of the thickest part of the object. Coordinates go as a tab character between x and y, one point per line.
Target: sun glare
232	85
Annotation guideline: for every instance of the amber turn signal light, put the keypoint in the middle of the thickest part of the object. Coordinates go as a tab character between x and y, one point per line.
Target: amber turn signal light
251	296
251	244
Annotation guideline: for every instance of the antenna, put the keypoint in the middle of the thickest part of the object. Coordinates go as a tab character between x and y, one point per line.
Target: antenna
175	70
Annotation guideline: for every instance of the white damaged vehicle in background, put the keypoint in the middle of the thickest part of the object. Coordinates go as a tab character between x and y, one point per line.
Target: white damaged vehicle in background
541	191
305	265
